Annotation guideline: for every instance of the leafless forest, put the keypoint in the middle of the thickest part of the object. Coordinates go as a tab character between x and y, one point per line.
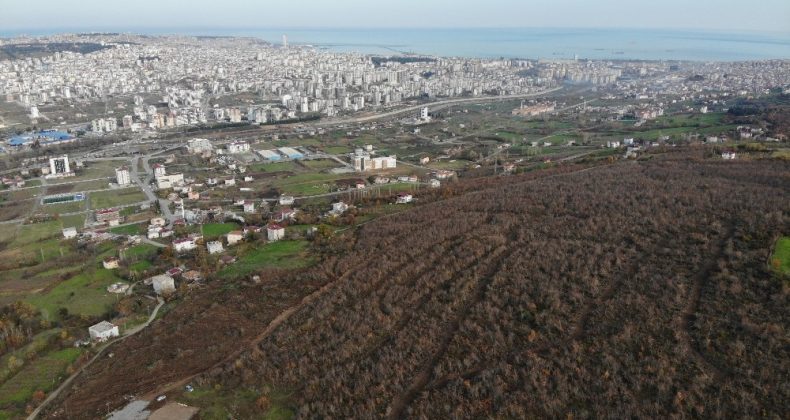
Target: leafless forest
635	289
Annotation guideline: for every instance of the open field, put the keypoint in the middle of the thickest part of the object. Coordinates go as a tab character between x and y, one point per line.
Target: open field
280	254
84	294
112	198
215	230
41	374
780	259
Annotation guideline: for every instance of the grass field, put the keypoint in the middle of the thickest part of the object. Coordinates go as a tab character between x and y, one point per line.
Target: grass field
214	230
307	184
135	229
39	342
140	266
338	150
275	167
38	231
41	374
320	164
60	208
107	199
220	404
84	294
282	254
141	251
780	260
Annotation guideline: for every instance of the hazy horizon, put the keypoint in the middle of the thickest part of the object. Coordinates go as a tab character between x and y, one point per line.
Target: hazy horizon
772	16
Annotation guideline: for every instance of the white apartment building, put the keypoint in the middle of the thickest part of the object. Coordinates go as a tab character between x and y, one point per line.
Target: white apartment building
122	176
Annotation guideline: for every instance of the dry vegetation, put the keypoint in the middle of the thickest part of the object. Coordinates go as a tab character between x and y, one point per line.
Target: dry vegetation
636	289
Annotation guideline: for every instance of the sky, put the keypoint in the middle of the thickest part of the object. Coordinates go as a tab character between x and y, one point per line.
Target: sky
175	15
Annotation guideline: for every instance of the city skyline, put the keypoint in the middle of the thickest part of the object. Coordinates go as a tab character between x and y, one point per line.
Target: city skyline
706	15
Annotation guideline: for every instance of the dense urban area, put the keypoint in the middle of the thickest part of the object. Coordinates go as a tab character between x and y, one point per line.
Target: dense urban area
222	227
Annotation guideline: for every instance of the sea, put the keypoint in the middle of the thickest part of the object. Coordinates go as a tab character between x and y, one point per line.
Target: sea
527	43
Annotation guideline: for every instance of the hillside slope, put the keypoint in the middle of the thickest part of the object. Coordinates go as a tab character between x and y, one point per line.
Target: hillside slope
632	289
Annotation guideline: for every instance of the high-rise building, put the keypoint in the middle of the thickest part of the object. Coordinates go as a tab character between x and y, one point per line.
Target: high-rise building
122	176
59	165
285	41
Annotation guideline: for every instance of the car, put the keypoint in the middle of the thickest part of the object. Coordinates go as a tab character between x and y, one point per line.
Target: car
161	398
189	388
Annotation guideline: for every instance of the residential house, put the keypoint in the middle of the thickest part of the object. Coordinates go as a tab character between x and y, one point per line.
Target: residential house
103	331
404	198
274	232
235	237
184	244
162	283
338	208
214	247
285	214
69	233
110	263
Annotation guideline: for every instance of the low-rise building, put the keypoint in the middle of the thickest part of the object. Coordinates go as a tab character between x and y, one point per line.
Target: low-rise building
274	232
69	233
404	198
184	244
235	237
110	263
103	331
214	247
163	283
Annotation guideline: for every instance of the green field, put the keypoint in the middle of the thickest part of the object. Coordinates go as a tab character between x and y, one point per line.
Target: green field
84	294
215	230
282	254
39	342
220	404
113	198
41	374
275	167
780	260
38	231
140	266
141	251
320	164
338	150
307	184
61	208
135	229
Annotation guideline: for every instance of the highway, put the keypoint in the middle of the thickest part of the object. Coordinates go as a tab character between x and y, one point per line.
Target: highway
433	106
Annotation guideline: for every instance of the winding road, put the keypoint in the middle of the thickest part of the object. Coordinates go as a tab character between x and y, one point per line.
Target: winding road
71	378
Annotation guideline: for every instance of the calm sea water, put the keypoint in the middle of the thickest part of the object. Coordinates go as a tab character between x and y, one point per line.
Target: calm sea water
527	42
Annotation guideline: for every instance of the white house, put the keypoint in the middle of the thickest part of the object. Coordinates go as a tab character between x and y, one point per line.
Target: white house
163	283
404	198
69	232
274	232
214	247
249	206
238	147
110	263
169	181
286	200
103	331
184	244
338	208
235	237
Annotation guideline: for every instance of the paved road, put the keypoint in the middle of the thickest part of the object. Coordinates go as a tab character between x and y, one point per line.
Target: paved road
433	106
70	379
